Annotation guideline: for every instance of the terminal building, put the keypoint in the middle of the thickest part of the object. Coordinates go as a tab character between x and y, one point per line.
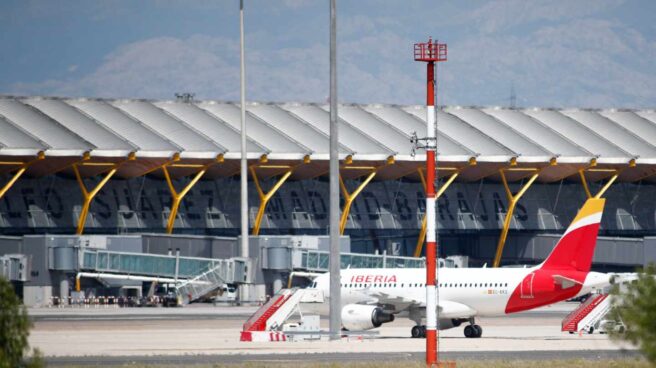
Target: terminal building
135	182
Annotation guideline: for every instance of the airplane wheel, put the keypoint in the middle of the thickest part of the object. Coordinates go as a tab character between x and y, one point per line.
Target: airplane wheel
478	331
423	331
415	332
591	330
469	331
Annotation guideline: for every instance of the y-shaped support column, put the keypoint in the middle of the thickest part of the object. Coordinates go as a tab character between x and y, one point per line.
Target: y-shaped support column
350	197
265	197
21	170
604	188
176	196
88	196
512	202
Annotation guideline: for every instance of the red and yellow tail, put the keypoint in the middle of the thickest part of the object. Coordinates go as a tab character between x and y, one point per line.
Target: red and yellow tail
576	247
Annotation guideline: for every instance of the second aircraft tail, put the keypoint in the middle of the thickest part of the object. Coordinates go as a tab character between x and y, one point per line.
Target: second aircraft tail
576	247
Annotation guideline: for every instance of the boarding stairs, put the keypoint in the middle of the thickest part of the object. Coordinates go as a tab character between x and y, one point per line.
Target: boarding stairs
588	314
203	284
266	323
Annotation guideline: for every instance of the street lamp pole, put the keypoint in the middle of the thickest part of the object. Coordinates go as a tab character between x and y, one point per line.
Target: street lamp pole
335	289
243	295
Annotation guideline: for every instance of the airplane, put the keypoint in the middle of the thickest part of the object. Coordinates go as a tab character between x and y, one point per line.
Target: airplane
372	297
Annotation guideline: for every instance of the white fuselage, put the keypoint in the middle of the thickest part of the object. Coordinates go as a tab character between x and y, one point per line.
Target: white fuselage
486	291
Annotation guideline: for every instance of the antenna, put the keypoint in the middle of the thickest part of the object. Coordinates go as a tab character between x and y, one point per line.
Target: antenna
185	97
513	97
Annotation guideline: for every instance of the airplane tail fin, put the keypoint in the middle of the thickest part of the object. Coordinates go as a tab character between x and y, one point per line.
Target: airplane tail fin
576	247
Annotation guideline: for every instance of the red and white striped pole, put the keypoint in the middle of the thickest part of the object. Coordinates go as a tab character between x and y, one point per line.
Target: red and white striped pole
430	53
431	248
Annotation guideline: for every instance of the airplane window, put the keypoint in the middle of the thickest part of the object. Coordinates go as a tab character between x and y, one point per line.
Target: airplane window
495	284
506	284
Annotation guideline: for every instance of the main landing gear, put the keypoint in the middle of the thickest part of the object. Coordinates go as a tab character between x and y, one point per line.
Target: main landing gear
473	330
418	332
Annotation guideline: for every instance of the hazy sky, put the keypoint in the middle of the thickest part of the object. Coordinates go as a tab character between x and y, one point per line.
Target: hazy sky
596	53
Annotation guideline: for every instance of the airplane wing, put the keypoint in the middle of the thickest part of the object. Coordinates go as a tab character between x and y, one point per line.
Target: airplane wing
398	302
447	309
565	282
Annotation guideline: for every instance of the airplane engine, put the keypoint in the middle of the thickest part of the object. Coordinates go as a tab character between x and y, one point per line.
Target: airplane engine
364	317
445	324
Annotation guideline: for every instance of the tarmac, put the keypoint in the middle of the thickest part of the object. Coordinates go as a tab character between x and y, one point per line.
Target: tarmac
204	330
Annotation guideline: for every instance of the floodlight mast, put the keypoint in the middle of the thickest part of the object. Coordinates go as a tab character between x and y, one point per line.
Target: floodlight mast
430	52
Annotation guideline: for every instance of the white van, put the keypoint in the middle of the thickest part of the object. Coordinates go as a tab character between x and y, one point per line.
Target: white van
226	294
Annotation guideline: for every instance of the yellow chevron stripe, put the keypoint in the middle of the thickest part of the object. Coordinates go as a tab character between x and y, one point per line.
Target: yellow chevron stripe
591	206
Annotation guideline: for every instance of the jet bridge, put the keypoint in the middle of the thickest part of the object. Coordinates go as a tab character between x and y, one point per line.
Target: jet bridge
194	277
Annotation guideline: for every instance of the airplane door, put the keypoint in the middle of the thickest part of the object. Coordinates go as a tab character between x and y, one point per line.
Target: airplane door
526	289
